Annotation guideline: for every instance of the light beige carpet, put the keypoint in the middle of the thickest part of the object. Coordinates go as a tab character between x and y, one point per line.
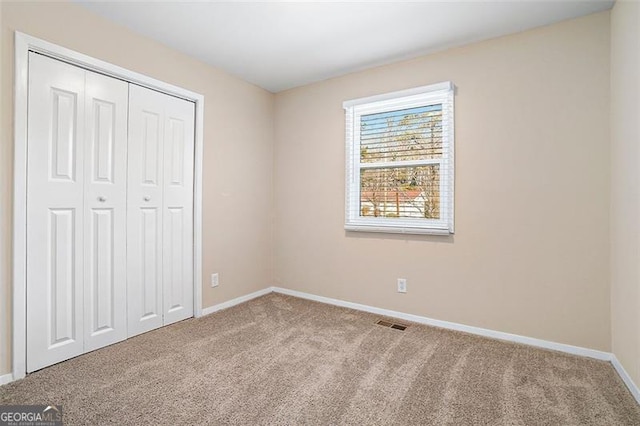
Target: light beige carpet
279	360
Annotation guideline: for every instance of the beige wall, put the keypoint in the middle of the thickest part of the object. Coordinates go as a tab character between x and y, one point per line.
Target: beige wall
531	251
625	185
238	146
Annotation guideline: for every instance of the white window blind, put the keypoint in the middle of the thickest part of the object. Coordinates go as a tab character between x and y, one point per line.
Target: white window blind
399	161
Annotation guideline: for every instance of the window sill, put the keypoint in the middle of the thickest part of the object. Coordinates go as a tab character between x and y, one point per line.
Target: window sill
397	229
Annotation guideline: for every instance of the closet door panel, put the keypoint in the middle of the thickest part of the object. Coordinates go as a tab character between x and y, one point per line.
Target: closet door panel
105	276
144	210
55	154
178	210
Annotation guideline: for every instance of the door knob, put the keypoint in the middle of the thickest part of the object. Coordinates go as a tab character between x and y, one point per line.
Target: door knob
102	199
147	198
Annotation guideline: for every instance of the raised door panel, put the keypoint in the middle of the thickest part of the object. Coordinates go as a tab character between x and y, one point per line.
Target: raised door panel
175	255
63	143
105	211
151	148
102	164
149	289
178	209
61	285
100	313
55	154
144	210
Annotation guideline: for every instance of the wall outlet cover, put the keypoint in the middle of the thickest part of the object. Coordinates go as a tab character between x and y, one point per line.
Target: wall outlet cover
215	280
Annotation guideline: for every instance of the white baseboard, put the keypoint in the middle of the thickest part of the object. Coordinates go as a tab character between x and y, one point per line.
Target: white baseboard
633	388
539	343
545	344
561	347
6	378
236	301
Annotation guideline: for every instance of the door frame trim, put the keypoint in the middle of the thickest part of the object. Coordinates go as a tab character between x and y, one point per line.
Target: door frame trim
23	45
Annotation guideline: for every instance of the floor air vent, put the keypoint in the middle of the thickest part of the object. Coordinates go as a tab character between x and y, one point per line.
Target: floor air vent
400	327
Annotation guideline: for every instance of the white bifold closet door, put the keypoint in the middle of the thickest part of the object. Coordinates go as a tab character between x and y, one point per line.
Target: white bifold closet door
76	211
109	210
160	209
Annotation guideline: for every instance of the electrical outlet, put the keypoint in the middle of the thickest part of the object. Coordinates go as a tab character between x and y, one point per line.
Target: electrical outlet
214	280
402	285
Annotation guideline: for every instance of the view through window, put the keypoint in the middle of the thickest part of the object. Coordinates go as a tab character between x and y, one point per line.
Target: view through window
400	161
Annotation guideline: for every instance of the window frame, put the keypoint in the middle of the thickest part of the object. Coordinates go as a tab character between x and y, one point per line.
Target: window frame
435	94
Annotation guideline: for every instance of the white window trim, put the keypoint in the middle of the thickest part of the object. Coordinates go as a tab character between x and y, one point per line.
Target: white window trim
419	96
